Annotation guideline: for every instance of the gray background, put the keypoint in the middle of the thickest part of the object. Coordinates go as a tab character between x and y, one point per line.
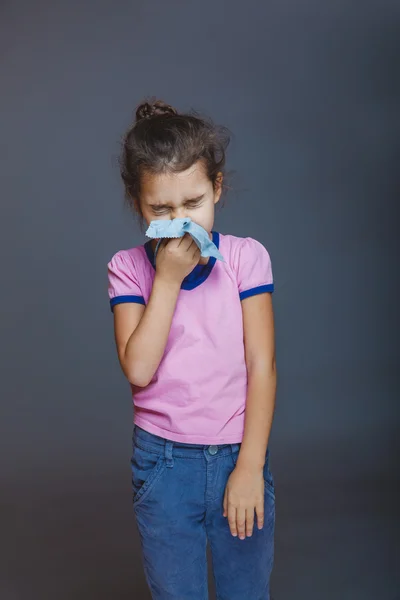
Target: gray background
311	92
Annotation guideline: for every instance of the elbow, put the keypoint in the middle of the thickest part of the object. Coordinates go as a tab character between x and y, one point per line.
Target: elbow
137	382
139	377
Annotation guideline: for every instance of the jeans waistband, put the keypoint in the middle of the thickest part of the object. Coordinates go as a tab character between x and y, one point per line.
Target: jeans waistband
154	443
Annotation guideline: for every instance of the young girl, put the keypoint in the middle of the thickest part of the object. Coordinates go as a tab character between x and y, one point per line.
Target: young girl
195	339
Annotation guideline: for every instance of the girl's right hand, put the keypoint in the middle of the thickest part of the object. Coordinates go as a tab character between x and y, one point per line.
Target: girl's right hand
176	258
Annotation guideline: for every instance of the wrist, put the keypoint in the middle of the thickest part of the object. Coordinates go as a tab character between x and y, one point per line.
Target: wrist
250	461
167	284
249	466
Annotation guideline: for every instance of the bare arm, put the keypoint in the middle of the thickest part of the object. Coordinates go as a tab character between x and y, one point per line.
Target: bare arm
141	333
260	360
244	493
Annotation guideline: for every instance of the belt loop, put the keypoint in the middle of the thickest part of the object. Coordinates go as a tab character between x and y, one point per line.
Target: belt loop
168	453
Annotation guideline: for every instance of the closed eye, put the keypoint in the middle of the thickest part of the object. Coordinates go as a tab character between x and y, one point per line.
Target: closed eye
160	211
194	203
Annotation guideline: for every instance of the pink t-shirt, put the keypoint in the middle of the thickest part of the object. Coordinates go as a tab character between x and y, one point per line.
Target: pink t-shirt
198	393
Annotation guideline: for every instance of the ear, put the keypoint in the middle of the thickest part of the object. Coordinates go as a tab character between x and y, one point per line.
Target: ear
218	187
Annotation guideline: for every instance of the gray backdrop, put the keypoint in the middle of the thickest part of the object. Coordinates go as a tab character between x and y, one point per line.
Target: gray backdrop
311	93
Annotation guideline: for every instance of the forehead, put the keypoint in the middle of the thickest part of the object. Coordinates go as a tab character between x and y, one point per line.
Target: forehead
170	187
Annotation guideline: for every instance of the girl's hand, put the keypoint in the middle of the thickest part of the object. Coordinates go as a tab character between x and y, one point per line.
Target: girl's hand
244	495
176	258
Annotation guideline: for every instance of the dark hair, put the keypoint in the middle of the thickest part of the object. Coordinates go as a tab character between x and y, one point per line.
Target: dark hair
161	140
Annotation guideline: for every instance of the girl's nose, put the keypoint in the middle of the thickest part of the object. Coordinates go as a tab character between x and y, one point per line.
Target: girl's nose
179	213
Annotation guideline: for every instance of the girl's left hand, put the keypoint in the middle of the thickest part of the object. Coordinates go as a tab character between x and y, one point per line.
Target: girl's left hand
244	495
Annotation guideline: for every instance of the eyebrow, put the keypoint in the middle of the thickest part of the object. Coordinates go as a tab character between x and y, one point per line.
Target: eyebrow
187	201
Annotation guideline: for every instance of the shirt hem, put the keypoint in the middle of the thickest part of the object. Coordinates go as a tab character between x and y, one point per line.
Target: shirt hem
188	438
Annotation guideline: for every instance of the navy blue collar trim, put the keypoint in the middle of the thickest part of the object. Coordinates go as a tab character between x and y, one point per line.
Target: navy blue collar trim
199	273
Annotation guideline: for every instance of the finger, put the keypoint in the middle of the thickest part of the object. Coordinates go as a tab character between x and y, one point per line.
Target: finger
225	505
260	514
185	240
159	248
249	522
192	247
241	522
164	243
232	519
197	252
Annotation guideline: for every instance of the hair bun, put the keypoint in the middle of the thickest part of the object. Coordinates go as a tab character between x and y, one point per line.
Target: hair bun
154	108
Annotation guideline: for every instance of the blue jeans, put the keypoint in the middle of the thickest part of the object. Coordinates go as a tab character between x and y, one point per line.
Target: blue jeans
178	492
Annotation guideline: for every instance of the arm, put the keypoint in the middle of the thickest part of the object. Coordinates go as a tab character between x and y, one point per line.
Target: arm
260	360
245	489
141	333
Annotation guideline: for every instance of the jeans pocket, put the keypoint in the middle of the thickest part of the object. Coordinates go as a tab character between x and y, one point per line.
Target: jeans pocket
146	468
268	478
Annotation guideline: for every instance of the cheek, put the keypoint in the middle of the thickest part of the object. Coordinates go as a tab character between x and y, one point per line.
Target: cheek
204	216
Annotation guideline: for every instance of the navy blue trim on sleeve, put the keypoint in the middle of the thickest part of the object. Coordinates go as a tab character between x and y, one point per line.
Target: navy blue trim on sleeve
123	299
261	289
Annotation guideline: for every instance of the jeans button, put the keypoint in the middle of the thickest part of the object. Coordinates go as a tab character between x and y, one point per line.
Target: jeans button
213	450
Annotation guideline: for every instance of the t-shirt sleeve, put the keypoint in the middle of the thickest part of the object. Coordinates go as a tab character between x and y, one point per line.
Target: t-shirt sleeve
254	269
123	285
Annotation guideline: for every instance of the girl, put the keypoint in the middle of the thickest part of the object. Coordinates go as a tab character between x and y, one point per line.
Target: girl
195	339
